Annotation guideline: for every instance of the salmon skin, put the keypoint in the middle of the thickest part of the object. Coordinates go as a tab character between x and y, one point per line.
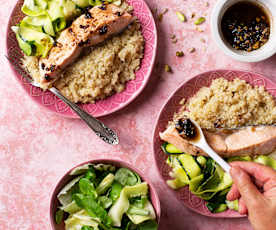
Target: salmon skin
248	141
93	27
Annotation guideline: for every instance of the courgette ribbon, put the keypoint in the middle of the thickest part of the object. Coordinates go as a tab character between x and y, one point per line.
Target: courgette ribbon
205	178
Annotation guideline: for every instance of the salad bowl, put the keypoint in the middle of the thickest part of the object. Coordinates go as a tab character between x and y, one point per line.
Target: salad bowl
54	203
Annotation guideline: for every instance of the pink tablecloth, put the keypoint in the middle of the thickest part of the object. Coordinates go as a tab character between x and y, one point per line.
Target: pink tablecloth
37	147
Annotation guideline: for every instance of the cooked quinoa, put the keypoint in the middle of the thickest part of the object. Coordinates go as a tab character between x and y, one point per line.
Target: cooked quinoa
102	70
230	104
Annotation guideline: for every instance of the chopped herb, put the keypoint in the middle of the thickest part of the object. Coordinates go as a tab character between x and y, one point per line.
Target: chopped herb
179	53
181	16
199	21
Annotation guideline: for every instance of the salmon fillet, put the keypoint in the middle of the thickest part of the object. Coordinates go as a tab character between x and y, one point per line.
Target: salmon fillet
247	141
91	28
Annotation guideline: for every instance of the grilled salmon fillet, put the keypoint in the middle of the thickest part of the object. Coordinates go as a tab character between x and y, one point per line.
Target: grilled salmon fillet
248	141
91	28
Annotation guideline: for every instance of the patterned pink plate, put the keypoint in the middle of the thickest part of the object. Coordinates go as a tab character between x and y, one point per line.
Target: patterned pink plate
187	90
113	103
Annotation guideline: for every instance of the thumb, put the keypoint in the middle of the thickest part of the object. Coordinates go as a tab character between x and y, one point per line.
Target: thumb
249	192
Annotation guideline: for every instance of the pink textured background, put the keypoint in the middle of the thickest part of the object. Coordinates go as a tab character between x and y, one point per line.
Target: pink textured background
37	147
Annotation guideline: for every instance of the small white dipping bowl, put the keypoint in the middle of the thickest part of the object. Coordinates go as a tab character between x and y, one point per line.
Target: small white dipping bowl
265	51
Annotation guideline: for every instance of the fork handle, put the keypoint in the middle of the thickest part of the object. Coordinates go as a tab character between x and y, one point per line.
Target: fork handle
102	131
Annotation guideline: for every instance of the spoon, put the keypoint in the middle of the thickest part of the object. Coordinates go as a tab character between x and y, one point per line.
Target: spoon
201	142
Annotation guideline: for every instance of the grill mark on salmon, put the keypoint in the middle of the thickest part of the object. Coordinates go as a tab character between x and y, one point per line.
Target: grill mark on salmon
247	141
103	22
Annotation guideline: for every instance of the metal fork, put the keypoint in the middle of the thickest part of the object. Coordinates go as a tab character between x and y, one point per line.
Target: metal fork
101	130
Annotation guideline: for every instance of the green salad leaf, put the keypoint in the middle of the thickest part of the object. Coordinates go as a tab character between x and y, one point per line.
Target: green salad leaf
87	188
148	225
91	206
105	202
116	189
126	177
59	216
86	227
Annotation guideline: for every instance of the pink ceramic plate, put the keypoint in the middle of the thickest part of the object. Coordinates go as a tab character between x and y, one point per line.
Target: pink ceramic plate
66	178
113	103
187	90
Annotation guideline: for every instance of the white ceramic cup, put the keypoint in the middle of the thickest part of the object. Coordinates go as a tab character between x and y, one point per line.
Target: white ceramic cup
265	51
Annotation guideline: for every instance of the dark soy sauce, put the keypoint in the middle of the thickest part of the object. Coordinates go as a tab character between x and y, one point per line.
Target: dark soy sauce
245	26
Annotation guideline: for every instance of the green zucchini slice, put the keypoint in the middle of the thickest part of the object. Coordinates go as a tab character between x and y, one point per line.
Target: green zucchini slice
170	149
25	46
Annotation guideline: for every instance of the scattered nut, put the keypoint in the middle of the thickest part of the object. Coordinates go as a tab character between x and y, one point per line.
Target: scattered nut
202	40
181	16
173	36
193	15
191	50
199	29
160	16
200	20
179	53
167	68
174	41
207	4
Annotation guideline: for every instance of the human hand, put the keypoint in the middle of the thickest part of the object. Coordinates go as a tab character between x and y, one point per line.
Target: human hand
255	187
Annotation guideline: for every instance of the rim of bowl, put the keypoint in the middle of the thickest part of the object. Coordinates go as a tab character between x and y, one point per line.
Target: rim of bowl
166	103
117	163
73	115
260	55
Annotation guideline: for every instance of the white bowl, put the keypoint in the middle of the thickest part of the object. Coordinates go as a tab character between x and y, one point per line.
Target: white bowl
265	51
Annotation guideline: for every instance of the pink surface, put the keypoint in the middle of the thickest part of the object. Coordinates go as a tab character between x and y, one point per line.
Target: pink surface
118	163
187	90
37	146
110	104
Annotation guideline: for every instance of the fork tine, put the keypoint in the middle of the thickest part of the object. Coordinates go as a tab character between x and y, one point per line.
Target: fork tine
19	70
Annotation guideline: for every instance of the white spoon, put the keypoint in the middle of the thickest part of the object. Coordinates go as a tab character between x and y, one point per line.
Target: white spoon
201	142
